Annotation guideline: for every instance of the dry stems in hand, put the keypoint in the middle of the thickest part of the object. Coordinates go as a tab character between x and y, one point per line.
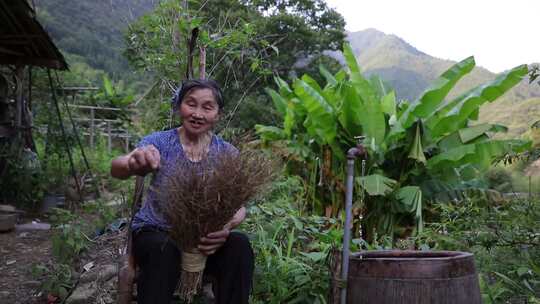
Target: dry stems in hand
201	198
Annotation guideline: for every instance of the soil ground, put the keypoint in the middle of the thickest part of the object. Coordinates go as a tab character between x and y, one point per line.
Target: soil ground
19	252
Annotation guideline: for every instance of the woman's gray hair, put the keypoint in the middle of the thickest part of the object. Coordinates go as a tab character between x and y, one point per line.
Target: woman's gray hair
190	84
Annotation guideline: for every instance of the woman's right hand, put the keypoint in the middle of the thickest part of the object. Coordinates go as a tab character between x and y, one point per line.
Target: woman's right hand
144	160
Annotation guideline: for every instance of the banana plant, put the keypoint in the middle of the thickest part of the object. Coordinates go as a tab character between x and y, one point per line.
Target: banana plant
418	150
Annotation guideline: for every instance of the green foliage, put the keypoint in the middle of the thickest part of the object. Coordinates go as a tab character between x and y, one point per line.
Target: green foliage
101	214
504	239
57	279
413	146
21	177
71	230
290	248
265	39
69	238
499	179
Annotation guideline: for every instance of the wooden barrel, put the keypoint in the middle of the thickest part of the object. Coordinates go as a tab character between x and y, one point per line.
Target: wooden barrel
419	277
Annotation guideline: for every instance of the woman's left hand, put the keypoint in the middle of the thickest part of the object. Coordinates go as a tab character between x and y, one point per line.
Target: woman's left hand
213	241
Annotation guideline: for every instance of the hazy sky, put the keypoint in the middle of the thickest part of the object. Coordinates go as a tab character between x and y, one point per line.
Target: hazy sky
500	34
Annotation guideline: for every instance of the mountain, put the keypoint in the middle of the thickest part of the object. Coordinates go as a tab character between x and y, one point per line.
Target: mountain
92	31
410	71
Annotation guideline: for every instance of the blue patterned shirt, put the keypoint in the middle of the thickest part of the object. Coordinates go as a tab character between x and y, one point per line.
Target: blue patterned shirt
171	155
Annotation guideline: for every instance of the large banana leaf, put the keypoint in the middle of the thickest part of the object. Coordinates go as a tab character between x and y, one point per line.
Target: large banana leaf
379	86
374	122
270	133
330	79
388	104
351	113
451	156
289	121
465	106
473	134
376	184
312	83
426	105
417	151
410	200
279	102
320	120
107	84
487	151
470	133
362	85
352	64
332	96
361	110
478	153
450	141
284	89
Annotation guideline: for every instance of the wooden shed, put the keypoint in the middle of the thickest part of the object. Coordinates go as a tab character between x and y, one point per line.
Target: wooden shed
24	44
23	41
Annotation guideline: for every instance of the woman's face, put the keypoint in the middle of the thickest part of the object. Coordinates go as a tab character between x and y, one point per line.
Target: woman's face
199	111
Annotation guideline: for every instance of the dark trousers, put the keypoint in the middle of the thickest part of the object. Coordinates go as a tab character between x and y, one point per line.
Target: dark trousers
159	261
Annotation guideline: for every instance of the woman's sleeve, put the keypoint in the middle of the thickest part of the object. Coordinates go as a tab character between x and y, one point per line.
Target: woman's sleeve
150	139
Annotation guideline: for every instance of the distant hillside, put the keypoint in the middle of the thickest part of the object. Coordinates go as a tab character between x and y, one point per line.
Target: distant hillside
410	71
517	116
93	29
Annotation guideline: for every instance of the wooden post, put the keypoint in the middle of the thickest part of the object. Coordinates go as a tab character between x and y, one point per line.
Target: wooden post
19	74
109	137
92	128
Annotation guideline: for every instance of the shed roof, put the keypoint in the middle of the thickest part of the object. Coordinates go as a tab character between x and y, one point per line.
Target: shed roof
23	40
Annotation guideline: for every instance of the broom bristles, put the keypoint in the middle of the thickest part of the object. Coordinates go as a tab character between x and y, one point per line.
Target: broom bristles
201	198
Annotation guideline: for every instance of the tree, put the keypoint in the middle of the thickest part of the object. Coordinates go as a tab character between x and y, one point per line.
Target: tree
247	42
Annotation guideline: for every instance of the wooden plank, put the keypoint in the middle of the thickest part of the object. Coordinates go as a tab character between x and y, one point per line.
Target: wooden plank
93	107
97	119
16	36
10	52
24	60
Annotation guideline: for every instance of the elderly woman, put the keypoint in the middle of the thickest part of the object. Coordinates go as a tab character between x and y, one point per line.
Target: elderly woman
230	257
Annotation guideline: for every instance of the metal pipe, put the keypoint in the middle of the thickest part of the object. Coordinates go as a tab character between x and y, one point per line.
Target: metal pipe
352	154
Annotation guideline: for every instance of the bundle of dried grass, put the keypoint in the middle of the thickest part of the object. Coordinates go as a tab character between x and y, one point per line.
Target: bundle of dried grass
201	198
